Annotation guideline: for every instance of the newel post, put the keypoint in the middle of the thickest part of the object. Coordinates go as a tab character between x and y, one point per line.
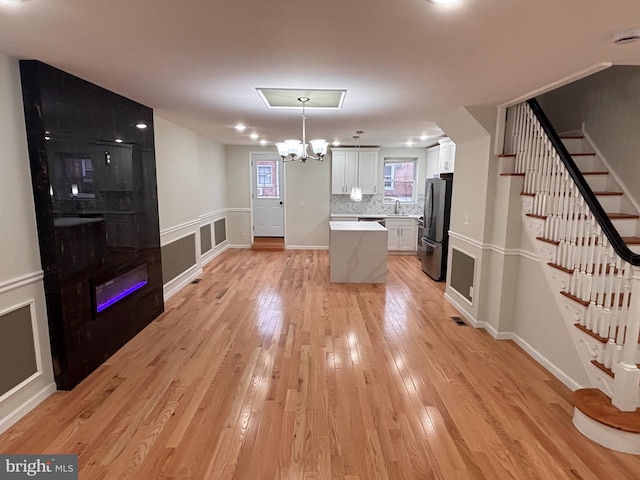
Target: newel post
627	374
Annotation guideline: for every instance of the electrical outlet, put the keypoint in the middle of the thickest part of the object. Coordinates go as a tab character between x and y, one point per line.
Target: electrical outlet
471	291
466	219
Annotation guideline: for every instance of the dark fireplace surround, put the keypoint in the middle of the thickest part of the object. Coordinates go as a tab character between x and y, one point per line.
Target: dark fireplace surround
94	185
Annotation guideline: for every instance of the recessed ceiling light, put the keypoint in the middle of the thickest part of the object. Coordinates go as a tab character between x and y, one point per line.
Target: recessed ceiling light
141	125
254	136
263	142
444	1
118	140
336	143
409	143
240	127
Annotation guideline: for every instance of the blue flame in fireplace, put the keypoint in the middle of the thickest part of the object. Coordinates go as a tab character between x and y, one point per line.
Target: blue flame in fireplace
119	296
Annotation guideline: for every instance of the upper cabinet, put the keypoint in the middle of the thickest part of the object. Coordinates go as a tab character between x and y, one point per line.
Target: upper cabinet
354	168
447	155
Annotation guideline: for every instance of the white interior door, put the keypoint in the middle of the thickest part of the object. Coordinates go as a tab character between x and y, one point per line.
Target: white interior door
268	202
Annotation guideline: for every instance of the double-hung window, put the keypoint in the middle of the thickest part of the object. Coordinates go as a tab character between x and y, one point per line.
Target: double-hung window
400	180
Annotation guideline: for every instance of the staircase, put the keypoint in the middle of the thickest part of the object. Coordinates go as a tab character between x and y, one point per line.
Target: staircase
585	231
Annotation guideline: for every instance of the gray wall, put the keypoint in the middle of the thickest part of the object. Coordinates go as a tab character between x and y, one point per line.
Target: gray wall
608	103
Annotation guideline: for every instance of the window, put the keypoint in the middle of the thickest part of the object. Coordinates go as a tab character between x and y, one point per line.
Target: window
267	185
399	180
265	176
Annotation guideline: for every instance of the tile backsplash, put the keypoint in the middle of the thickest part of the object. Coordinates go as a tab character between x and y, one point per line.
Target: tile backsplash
372	205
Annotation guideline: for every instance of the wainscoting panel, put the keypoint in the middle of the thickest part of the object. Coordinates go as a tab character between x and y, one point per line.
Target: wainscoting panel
220	231
178	257
462	273
205	238
17	349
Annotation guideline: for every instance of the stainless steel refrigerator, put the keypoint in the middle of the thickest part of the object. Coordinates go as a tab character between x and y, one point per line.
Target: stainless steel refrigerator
435	240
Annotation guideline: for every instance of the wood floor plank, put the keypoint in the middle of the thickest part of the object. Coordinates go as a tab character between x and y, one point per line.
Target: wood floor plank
265	370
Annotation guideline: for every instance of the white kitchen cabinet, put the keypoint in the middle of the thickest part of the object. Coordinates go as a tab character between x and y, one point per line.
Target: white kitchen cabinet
403	234
354	168
447	155
433	161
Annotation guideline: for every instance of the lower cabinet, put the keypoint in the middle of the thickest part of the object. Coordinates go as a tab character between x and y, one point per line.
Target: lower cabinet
403	234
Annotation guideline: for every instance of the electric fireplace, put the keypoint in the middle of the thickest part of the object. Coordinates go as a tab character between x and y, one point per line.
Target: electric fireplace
113	286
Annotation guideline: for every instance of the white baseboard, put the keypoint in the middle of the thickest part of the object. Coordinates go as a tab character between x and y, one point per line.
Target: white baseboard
7	421
186	277
532	352
306	247
213	253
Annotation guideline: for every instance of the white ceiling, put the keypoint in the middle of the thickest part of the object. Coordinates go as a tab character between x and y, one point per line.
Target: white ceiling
404	63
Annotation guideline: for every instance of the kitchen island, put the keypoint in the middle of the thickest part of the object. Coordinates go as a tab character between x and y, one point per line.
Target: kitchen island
358	252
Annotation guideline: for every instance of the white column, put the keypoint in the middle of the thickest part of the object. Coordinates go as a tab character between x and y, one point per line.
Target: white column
627	375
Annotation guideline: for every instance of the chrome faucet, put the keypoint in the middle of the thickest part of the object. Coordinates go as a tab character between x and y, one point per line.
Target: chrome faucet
397	207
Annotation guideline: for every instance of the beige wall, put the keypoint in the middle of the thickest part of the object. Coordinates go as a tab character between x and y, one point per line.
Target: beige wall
306	197
192	192
20	269
177	172
511	297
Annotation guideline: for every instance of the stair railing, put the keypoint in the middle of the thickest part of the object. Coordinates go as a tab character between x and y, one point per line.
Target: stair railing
605	275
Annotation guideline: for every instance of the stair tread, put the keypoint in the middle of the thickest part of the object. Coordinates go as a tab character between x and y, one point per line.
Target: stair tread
603	193
596	172
613	216
597	406
631	240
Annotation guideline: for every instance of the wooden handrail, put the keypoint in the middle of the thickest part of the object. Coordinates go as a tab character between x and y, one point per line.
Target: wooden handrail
616	241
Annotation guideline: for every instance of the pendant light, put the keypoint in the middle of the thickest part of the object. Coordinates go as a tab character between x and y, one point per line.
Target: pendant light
356	192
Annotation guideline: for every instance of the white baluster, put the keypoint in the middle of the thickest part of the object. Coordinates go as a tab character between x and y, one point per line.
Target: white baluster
627	375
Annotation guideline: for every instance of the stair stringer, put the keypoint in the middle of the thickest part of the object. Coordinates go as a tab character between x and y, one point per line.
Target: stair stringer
588	347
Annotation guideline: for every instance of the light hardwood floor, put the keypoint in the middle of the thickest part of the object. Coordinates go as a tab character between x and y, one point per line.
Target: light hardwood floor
265	370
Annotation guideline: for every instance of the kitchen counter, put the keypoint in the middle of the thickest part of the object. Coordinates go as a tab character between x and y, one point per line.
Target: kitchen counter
358	252
355	216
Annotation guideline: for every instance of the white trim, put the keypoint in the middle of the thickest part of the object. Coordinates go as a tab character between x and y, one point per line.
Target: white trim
36	344
532	352
501	120
239	209
544	361
239	245
187	234
495	248
307	247
558	83
21	281
8	420
177	228
213	253
178	283
220	212
618	440
612	172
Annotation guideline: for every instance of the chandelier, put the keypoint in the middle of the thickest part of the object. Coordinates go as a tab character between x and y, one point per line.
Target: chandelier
291	150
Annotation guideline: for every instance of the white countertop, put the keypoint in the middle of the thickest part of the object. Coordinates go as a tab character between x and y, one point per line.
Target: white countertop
356	227
364	215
